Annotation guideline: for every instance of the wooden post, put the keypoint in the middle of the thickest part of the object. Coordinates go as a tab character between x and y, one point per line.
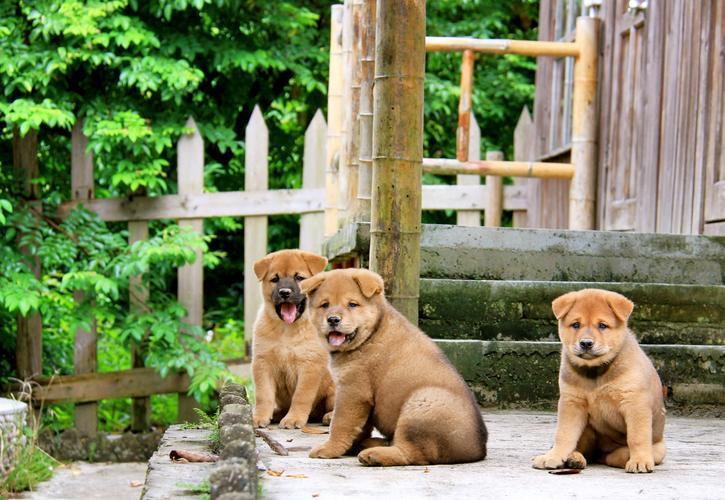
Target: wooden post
583	190
312	226
524	143
138	230
85	354
471	217
334	122
494	194
464	105
29	346
367	76
398	150
190	173
255	228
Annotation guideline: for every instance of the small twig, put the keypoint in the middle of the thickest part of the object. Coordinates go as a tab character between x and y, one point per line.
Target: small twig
192	456
276	446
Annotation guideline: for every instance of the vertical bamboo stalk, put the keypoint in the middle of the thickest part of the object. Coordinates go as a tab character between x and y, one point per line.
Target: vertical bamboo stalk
494	193
471	218
346	130
367	76
464	105
583	188
334	122
398	150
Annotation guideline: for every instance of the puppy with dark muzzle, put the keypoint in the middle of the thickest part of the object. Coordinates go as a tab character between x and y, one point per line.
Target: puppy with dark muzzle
391	376
289	365
611	406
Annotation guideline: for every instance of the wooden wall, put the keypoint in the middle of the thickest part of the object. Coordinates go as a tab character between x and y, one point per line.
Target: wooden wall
661	100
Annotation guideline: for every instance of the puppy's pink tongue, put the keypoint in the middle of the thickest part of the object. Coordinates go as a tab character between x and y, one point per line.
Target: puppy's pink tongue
336	338
289	313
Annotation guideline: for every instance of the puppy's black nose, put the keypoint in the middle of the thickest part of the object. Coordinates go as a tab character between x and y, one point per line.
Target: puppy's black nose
285	293
586	344
333	320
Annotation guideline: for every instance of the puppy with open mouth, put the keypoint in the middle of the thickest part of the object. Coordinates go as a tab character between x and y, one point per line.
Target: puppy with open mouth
611	406
289	365
391	376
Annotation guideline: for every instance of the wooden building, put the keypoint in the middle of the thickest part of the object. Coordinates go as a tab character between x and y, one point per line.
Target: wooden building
661	163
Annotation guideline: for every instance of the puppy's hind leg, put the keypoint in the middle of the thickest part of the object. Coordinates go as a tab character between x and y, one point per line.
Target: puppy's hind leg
617	458
659	450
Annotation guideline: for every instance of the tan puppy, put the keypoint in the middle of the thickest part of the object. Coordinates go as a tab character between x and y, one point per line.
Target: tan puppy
289	364
391	376
611	407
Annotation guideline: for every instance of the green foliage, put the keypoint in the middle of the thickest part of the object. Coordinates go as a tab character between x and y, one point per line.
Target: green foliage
33	466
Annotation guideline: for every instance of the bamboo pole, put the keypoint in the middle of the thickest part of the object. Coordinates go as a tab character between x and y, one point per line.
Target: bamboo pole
346	129
583	187
334	121
398	150
367	75
464	105
445	166
494	194
520	47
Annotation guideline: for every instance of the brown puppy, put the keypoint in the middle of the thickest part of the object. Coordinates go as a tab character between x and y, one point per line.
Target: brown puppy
611	407
391	376
289	364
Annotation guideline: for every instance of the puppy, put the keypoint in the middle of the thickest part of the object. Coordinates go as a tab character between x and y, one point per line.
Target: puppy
611	406
289	364
391	376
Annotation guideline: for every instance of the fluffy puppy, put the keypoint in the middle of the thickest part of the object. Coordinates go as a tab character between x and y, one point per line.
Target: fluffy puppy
289	364
611	406
391	376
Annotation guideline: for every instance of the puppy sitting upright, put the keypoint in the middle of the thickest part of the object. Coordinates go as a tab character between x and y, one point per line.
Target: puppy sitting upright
289	365
389	375
611	407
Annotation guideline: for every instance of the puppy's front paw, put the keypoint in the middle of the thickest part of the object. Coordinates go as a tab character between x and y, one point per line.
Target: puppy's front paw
327	418
259	420
640	464
291	421
575	460
326	450
548	461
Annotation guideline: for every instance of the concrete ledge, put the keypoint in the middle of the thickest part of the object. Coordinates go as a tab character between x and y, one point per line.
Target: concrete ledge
126	447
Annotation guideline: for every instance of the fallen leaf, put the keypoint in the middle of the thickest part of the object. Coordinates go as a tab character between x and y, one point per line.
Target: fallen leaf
290	440
192	456
564	472
75	472
299	476
315	430
135	483
299	448
426	470
315	495
275	473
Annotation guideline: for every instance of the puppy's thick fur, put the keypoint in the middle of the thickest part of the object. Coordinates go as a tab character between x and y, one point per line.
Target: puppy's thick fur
391	376
289	364
611	406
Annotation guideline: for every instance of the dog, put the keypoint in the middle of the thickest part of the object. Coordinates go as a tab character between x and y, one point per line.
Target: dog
611	405
289	364
391	376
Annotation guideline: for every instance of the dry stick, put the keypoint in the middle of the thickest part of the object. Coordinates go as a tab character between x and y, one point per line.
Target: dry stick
192	456
276	446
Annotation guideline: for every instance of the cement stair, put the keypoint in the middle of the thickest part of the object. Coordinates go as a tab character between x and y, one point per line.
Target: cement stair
486	298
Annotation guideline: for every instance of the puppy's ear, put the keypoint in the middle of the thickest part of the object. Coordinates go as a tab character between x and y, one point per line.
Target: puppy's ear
620	305
309	285
369	282
563	304
262	266
315	263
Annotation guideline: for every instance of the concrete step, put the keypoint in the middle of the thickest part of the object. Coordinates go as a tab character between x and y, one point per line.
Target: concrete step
553	255
521	310
525	374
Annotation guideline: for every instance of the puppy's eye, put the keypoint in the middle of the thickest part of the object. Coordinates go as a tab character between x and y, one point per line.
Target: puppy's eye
325	305
352	305
602	326
576	325
274	279
299	277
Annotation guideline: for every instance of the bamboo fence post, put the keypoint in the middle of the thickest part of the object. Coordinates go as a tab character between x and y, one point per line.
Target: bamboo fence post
138	230
334	122
312	226
85	354
398	151
494	194
190	173
583	187
29	344
471	218
367	76
344	166
352	147
256	174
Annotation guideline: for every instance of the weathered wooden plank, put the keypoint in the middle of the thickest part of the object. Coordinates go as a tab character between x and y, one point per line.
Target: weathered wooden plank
138	297
334	119
190	277
470	198
135	383
312	225
255	228
204	205
85	341
469	217
494	191
524	144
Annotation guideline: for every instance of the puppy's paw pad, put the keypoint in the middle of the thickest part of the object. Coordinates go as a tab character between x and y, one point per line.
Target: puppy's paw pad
637	466
548	462
575	461
292	422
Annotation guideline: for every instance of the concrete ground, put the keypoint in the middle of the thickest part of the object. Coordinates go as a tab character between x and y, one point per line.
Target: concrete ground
81	480
693	468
